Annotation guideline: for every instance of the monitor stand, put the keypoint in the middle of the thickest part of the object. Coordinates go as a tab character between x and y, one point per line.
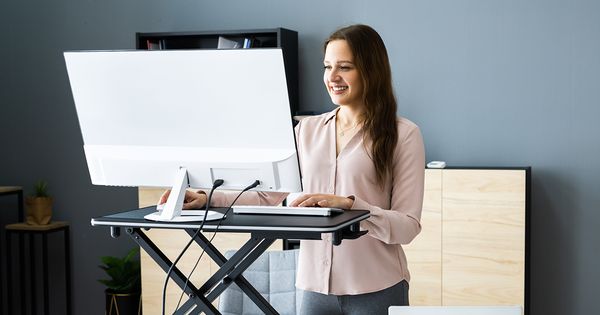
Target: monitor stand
171	211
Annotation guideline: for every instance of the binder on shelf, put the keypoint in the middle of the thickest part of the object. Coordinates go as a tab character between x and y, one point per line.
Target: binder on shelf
225	43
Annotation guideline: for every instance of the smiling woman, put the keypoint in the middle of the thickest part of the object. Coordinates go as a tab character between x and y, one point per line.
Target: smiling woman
378	164
358	76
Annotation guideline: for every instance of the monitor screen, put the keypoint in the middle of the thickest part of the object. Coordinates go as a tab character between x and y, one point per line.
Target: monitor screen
219	114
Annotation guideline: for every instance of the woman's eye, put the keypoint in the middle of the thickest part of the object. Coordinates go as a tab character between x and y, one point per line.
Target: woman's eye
339	68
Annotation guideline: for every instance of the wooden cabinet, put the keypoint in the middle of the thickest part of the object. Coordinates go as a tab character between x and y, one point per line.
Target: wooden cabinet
473	246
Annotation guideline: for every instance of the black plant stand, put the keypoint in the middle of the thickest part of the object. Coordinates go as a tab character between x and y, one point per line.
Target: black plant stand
23	229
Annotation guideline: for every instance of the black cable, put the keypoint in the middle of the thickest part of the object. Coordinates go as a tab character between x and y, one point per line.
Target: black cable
216	184
254	184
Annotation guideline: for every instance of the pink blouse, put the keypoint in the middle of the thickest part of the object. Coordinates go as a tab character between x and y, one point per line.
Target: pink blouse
376	260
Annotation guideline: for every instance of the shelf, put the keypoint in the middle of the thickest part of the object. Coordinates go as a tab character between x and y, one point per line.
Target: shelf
282	38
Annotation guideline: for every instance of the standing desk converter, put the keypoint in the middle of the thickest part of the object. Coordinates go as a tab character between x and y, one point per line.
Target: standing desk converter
263	229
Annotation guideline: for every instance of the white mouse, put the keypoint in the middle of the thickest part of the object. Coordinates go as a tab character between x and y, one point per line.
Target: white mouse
436	164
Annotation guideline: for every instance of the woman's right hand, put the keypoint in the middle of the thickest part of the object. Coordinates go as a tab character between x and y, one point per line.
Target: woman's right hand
192	200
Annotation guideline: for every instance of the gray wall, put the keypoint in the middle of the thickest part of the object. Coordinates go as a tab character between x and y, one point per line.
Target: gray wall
491	83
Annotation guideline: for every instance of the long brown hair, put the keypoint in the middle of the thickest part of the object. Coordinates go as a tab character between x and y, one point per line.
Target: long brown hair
372	63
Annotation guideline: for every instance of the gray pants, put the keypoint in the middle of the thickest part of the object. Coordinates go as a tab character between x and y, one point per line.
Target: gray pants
374	303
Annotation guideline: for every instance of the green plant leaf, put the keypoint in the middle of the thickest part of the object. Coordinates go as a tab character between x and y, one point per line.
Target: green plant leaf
41	189
111	261
124	273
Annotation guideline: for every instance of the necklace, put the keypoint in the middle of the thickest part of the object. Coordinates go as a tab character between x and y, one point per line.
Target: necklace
342	132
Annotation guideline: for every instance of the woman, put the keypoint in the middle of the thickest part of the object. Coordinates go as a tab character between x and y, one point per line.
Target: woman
359	156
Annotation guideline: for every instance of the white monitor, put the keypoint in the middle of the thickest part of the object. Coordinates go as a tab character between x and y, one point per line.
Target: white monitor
184	119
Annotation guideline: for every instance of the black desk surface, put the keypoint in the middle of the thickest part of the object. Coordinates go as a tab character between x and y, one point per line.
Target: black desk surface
239	222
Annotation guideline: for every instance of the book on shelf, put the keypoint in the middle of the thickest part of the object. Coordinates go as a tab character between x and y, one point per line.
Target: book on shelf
152	45
225	43
251	42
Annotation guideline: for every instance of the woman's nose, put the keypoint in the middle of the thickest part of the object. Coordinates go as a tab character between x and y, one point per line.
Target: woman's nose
333	75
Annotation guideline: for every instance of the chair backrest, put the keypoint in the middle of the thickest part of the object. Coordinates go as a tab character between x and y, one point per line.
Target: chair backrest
455	310
273	274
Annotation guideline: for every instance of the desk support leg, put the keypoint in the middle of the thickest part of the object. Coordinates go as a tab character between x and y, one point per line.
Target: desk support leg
163	261
244	285
186	307
233	268
226	266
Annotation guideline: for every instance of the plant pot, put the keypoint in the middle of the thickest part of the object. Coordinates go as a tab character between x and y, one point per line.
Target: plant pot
123	303
38	210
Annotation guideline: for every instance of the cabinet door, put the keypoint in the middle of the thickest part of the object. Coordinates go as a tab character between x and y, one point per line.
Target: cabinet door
483	237
424	253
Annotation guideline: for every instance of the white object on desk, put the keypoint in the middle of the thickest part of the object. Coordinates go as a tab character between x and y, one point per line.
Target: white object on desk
186	216
436	164
318	211
171	211
455	310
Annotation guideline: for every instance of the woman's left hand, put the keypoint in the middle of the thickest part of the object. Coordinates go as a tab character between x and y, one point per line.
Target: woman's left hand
323	200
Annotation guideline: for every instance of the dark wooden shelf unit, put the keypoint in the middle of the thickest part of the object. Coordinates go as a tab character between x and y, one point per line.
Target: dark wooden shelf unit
282	38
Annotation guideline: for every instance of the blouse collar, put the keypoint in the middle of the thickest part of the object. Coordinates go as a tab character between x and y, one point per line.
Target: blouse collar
331	115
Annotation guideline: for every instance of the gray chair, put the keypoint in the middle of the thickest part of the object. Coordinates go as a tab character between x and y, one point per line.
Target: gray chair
273	274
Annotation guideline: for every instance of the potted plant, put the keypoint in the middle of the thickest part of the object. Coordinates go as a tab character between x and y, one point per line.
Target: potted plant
39	206
123	292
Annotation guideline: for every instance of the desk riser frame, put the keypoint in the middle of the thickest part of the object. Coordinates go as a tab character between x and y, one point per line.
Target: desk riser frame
230	272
